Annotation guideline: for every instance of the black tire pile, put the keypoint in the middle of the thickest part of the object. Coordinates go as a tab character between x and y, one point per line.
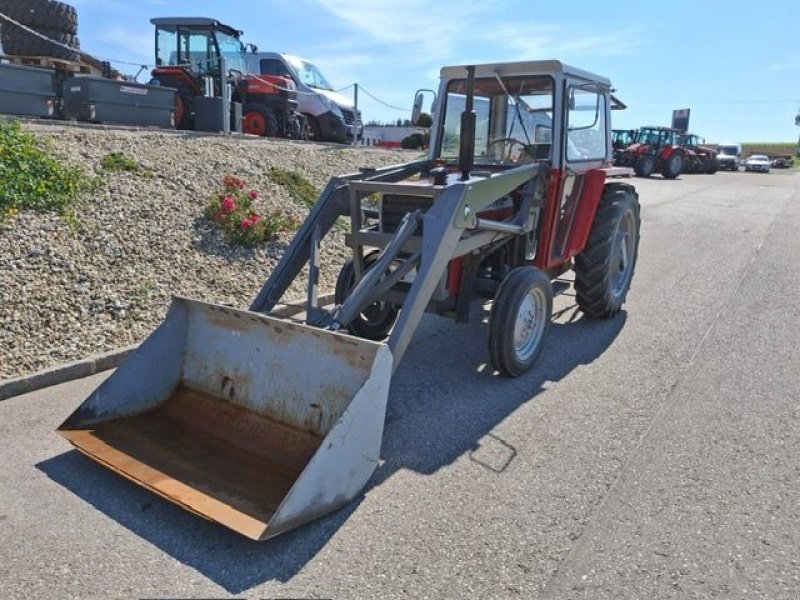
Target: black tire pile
54	20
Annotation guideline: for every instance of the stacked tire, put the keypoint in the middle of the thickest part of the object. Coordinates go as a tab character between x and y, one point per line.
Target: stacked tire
53	20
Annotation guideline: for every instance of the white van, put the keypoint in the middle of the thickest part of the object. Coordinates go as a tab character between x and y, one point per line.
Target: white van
730	156
331	116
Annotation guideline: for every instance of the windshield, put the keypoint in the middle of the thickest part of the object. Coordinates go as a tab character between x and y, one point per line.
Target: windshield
759	157
728	150
231	48
511	129
309	74
656	137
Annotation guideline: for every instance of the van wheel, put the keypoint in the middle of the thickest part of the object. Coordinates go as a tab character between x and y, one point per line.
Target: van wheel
314	132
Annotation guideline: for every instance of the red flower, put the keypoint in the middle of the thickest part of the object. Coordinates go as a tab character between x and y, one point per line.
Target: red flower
254	219
247	224
228	205
253	194
233	182
240	184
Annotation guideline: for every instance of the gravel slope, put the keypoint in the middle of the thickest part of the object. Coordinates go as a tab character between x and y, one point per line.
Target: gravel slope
68	292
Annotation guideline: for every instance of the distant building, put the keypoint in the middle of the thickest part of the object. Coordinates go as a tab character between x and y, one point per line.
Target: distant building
388	137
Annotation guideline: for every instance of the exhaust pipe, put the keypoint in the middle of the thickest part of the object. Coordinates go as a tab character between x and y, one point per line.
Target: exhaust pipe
466	155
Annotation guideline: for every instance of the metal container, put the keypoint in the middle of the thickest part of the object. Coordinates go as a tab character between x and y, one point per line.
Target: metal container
208	114
103	100
27	91
256	423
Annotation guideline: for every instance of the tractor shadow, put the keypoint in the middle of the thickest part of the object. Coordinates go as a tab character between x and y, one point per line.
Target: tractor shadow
444	400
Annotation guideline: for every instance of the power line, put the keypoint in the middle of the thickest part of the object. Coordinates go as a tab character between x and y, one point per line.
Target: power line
379	101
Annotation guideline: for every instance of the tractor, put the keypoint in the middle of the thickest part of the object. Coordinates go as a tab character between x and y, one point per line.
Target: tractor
705	157
655	149
188	55
621	139
261	420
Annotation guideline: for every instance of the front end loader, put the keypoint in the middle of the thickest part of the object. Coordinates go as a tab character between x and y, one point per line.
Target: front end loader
262	422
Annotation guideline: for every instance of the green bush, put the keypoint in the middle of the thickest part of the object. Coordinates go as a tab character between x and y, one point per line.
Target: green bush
416	141
31	179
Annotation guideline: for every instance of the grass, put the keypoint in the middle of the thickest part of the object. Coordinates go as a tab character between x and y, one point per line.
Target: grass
770	149
299	188
118	162
31	179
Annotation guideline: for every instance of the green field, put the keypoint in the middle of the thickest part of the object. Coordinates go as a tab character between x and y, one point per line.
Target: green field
769	149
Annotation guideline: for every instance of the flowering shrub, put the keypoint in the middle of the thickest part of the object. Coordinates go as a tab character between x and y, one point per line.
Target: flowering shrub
234	210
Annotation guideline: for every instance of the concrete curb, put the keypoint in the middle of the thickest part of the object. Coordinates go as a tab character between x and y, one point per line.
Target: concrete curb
63	373
110	360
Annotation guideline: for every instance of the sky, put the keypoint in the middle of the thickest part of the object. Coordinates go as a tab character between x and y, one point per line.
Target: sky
735	64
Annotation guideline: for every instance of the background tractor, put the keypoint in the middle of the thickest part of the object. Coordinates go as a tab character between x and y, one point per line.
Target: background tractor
263	422
621	139
706	157
188	54
656	150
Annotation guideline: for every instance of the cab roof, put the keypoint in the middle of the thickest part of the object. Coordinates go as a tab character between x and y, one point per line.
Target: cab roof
532	67
196	22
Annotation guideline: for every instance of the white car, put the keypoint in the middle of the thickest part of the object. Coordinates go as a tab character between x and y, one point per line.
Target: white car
757	162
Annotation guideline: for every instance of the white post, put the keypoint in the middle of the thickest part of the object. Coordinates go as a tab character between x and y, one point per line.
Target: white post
226	99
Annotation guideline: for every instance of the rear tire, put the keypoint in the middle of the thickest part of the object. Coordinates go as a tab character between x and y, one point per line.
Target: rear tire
376	320
673	166
18	42
604	270
520	319
42	13
645	165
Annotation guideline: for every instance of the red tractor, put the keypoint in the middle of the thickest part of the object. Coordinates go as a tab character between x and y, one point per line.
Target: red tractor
705	160
656	149
189	52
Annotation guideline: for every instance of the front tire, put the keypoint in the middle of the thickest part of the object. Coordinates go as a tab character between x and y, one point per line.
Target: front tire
519	321
377	319
260	121
645	165
604	270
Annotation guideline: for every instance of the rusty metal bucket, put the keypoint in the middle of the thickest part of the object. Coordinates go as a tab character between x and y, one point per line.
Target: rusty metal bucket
256	423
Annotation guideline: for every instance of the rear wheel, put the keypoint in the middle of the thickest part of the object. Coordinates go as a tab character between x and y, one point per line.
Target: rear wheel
42	13
645	165
259	120
377	319
604	270
673	166
519	321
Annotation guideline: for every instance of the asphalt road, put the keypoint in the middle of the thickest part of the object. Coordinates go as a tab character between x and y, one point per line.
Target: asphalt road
656	455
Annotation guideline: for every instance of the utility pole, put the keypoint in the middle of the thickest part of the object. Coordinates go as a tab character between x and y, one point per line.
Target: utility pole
355	114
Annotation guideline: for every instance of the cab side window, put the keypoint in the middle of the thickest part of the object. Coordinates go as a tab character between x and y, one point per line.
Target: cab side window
271	66
586	137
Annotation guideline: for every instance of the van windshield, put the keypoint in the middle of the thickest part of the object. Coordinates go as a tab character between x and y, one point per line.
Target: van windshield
309	74
728	150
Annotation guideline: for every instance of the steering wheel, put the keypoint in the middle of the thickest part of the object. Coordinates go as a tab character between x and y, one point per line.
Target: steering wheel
511	143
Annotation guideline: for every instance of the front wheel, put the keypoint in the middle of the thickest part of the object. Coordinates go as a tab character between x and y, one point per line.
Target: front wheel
604	270
645	165
377	319
519	321
260	121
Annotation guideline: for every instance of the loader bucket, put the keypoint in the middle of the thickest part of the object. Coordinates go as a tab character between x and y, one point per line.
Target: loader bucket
253	422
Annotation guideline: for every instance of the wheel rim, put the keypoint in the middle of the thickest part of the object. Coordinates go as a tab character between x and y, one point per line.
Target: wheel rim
530	324
255	124
623	254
